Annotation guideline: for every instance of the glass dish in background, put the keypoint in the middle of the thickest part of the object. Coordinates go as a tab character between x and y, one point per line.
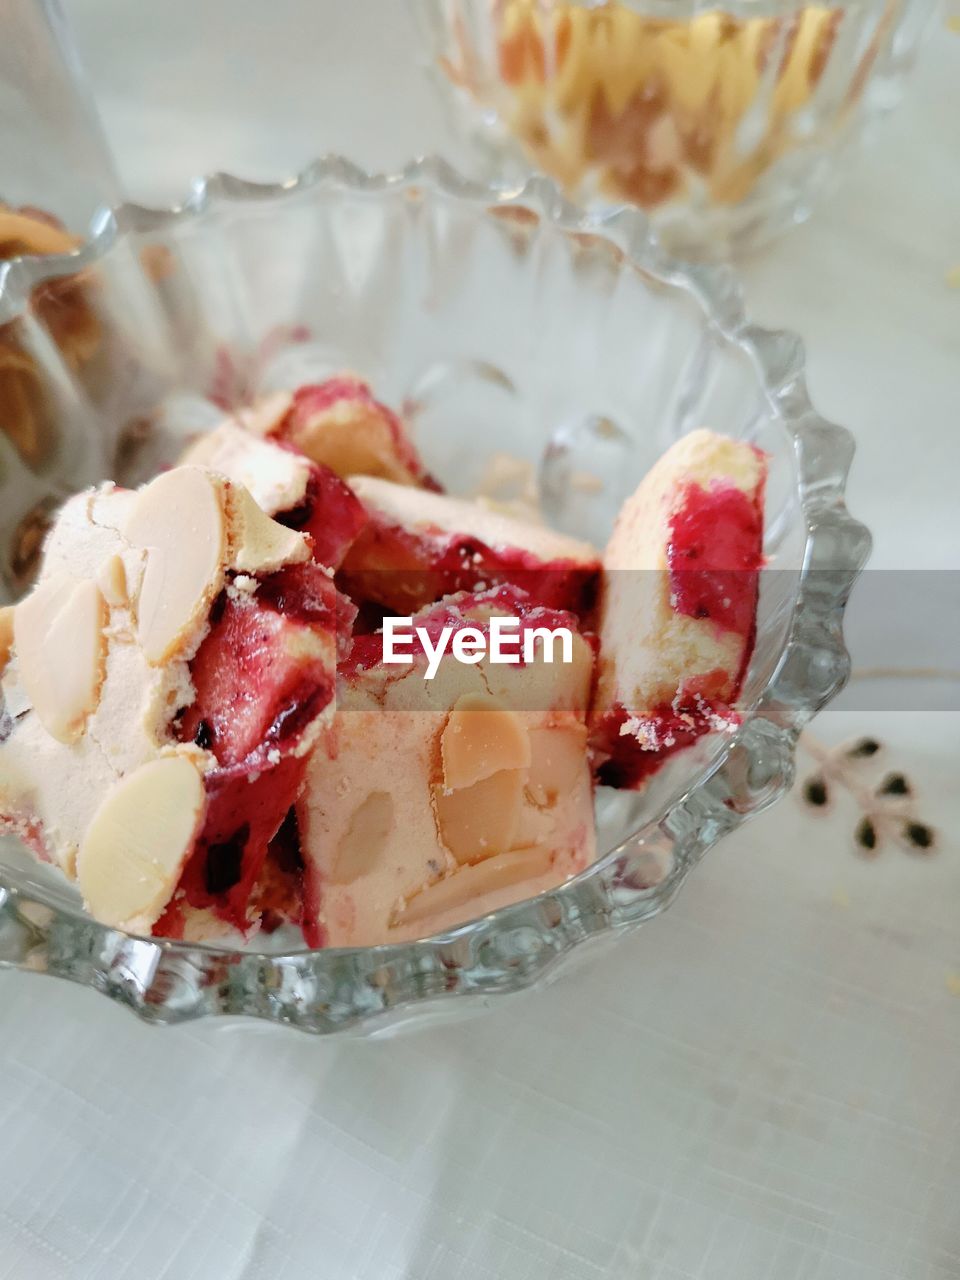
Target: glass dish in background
503	324
53	156
55	173
724	124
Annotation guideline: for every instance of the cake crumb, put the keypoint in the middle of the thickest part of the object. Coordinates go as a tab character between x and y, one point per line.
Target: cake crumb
840	897
953	983
953	277
952	23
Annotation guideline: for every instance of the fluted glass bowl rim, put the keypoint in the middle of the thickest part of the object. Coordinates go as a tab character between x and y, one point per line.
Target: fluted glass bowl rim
300	987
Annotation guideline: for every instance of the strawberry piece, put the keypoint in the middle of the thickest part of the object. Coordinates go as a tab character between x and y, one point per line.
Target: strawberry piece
262	674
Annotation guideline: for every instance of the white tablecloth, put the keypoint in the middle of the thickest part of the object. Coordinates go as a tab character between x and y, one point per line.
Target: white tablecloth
763	1084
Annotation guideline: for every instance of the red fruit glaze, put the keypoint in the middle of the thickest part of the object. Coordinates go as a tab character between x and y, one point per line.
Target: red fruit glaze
244	812
262	675
464	610
635	756
406	571
258	679
715	554
330	514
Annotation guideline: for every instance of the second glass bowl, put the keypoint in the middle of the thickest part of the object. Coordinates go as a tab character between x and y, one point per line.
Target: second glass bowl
723	122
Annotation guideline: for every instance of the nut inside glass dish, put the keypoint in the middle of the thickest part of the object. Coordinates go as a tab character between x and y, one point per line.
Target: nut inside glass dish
506	325
723	123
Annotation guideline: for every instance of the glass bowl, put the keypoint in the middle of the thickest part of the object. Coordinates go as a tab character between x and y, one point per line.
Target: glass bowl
502	322
723	121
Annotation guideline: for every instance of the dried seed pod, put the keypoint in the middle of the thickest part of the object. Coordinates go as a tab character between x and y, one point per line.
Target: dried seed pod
894	784
862	749
918	836
866	835
815	791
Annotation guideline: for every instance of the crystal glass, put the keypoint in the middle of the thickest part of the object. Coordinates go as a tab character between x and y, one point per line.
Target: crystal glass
502	322
724	122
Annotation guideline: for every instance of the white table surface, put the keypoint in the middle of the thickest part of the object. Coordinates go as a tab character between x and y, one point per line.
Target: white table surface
764	1084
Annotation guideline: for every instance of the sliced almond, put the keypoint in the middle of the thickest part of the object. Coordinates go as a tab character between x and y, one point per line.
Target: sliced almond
112	581
61	649
366	837
34	234
259	544
558	759
481	738
178	520
6	635
464	886
480	821
133	852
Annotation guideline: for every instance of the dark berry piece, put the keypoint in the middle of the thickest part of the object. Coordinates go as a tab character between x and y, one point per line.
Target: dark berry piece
919	836
815	791
866	835
863	748
203	737
285	846
225	861
895	784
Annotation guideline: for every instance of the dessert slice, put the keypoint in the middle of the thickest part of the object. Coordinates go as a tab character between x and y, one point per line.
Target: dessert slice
678	603
417	547
296	492
162	686
442	799
340	424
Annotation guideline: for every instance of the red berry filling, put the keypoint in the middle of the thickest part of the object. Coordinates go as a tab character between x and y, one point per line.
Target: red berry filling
652	738
330	514
263	675
406	571
465	610
715	554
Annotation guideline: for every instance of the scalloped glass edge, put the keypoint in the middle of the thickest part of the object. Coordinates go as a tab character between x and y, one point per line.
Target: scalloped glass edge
332	990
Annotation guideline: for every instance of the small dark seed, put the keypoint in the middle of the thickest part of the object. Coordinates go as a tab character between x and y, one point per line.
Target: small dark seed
919	835
815	791
866	835
894	784
204	736
863	748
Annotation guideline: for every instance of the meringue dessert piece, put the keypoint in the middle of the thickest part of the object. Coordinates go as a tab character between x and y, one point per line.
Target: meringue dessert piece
340	424
161	687
438	801
677	607
211	734
417	547
298	493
